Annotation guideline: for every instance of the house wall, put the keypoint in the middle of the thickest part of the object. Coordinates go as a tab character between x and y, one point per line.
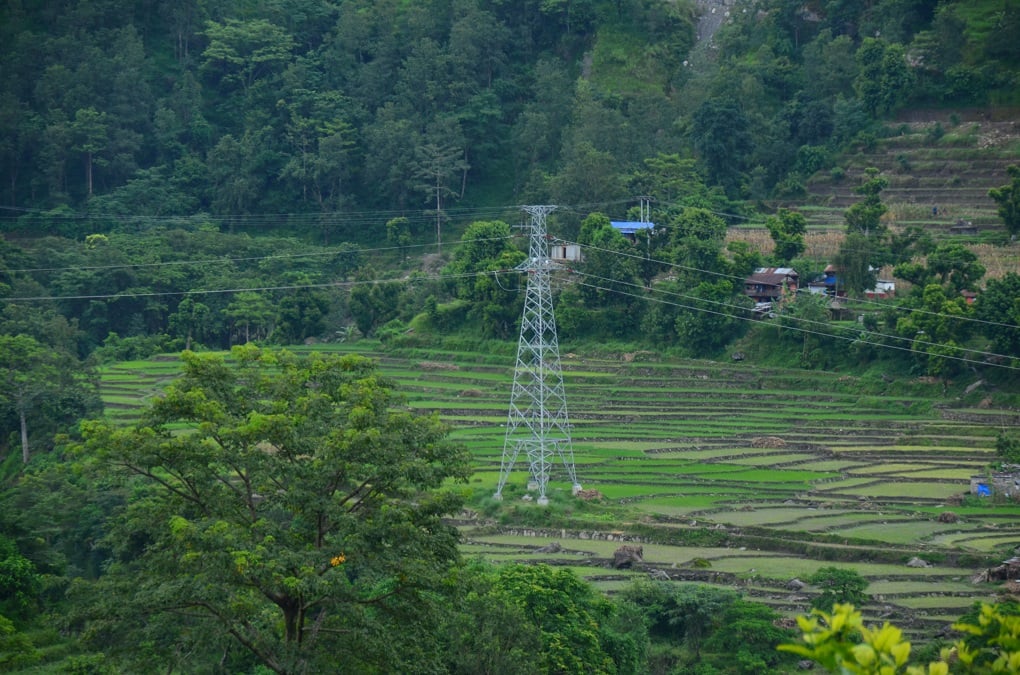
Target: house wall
1005	484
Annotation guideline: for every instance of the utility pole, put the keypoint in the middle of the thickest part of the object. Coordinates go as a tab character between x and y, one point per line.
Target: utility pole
537	422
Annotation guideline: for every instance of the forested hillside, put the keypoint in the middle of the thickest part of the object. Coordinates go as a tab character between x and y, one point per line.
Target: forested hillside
297	115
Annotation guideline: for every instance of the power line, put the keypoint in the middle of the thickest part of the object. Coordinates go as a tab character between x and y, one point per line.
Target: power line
438	277
805	330
303	217
494	210
256	289
859	332
741	280
208	261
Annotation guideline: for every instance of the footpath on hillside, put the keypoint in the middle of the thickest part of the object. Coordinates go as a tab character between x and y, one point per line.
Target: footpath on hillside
713	14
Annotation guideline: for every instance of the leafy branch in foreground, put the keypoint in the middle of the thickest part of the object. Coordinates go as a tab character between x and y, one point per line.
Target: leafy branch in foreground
841	643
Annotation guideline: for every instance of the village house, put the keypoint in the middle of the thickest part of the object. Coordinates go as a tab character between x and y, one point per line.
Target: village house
1005	483
771	284
630	228
831	285
828	284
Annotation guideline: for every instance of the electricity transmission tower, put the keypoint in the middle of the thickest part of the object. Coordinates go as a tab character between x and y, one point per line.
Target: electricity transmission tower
537	422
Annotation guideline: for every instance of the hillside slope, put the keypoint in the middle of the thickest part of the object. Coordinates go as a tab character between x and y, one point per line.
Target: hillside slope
932	159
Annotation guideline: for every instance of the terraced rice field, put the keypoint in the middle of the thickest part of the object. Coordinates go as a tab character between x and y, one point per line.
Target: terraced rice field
852	477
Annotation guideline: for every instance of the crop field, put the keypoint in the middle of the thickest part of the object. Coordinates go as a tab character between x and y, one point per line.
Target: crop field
724	473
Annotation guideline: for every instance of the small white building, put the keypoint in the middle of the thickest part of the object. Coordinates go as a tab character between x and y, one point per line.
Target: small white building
565	252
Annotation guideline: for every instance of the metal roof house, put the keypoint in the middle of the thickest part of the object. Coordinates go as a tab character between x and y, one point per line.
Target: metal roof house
769	284
630	228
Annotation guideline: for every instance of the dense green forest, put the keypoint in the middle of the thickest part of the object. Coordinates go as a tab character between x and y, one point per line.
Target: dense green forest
298	116
203	175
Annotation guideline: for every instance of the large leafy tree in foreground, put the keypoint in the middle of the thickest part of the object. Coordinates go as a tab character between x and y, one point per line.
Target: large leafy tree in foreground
285	512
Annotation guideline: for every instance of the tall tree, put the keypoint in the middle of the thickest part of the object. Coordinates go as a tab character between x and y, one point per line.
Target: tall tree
251	316
299	517
855	273
566	611
398	234
884	78
720	132
245	52
865	216
956	265
787	230
999	307
43	385
190	319
487	246
610	263
437	166
1007	201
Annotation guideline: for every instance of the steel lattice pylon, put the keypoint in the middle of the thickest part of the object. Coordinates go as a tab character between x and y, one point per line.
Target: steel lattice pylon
537	422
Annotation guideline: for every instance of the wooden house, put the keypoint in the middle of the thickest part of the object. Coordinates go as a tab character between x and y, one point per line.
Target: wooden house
770	284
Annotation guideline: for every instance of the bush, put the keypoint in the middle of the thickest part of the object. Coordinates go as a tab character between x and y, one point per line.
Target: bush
839	586
16	649
116	348
790	188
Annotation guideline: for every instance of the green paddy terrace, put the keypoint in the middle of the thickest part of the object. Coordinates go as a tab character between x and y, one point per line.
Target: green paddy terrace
724	473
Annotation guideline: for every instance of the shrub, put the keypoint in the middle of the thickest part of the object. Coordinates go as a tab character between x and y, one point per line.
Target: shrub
838	586
935	132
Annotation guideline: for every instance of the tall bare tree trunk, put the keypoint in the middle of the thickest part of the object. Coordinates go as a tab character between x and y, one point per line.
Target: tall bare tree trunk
24	437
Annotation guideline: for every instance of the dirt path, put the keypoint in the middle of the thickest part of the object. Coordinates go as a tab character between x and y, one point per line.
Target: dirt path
713	14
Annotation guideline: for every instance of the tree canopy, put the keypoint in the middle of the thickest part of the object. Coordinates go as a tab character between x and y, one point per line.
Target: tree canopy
295	513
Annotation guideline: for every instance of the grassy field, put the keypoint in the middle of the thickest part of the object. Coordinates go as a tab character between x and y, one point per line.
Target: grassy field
853	477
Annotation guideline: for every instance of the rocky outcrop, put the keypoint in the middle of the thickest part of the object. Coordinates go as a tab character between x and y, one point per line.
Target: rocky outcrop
627	556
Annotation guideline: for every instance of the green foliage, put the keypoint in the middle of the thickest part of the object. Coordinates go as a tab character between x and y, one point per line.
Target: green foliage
539	619
720	132
1007	447
46	390
717	627
301	512
787	230
841	643
567	612
883	76
1007	200
865	216
116	348
838	585
489	632
999	307
16	648
709	321
483	268
19	582
747	639
854	261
